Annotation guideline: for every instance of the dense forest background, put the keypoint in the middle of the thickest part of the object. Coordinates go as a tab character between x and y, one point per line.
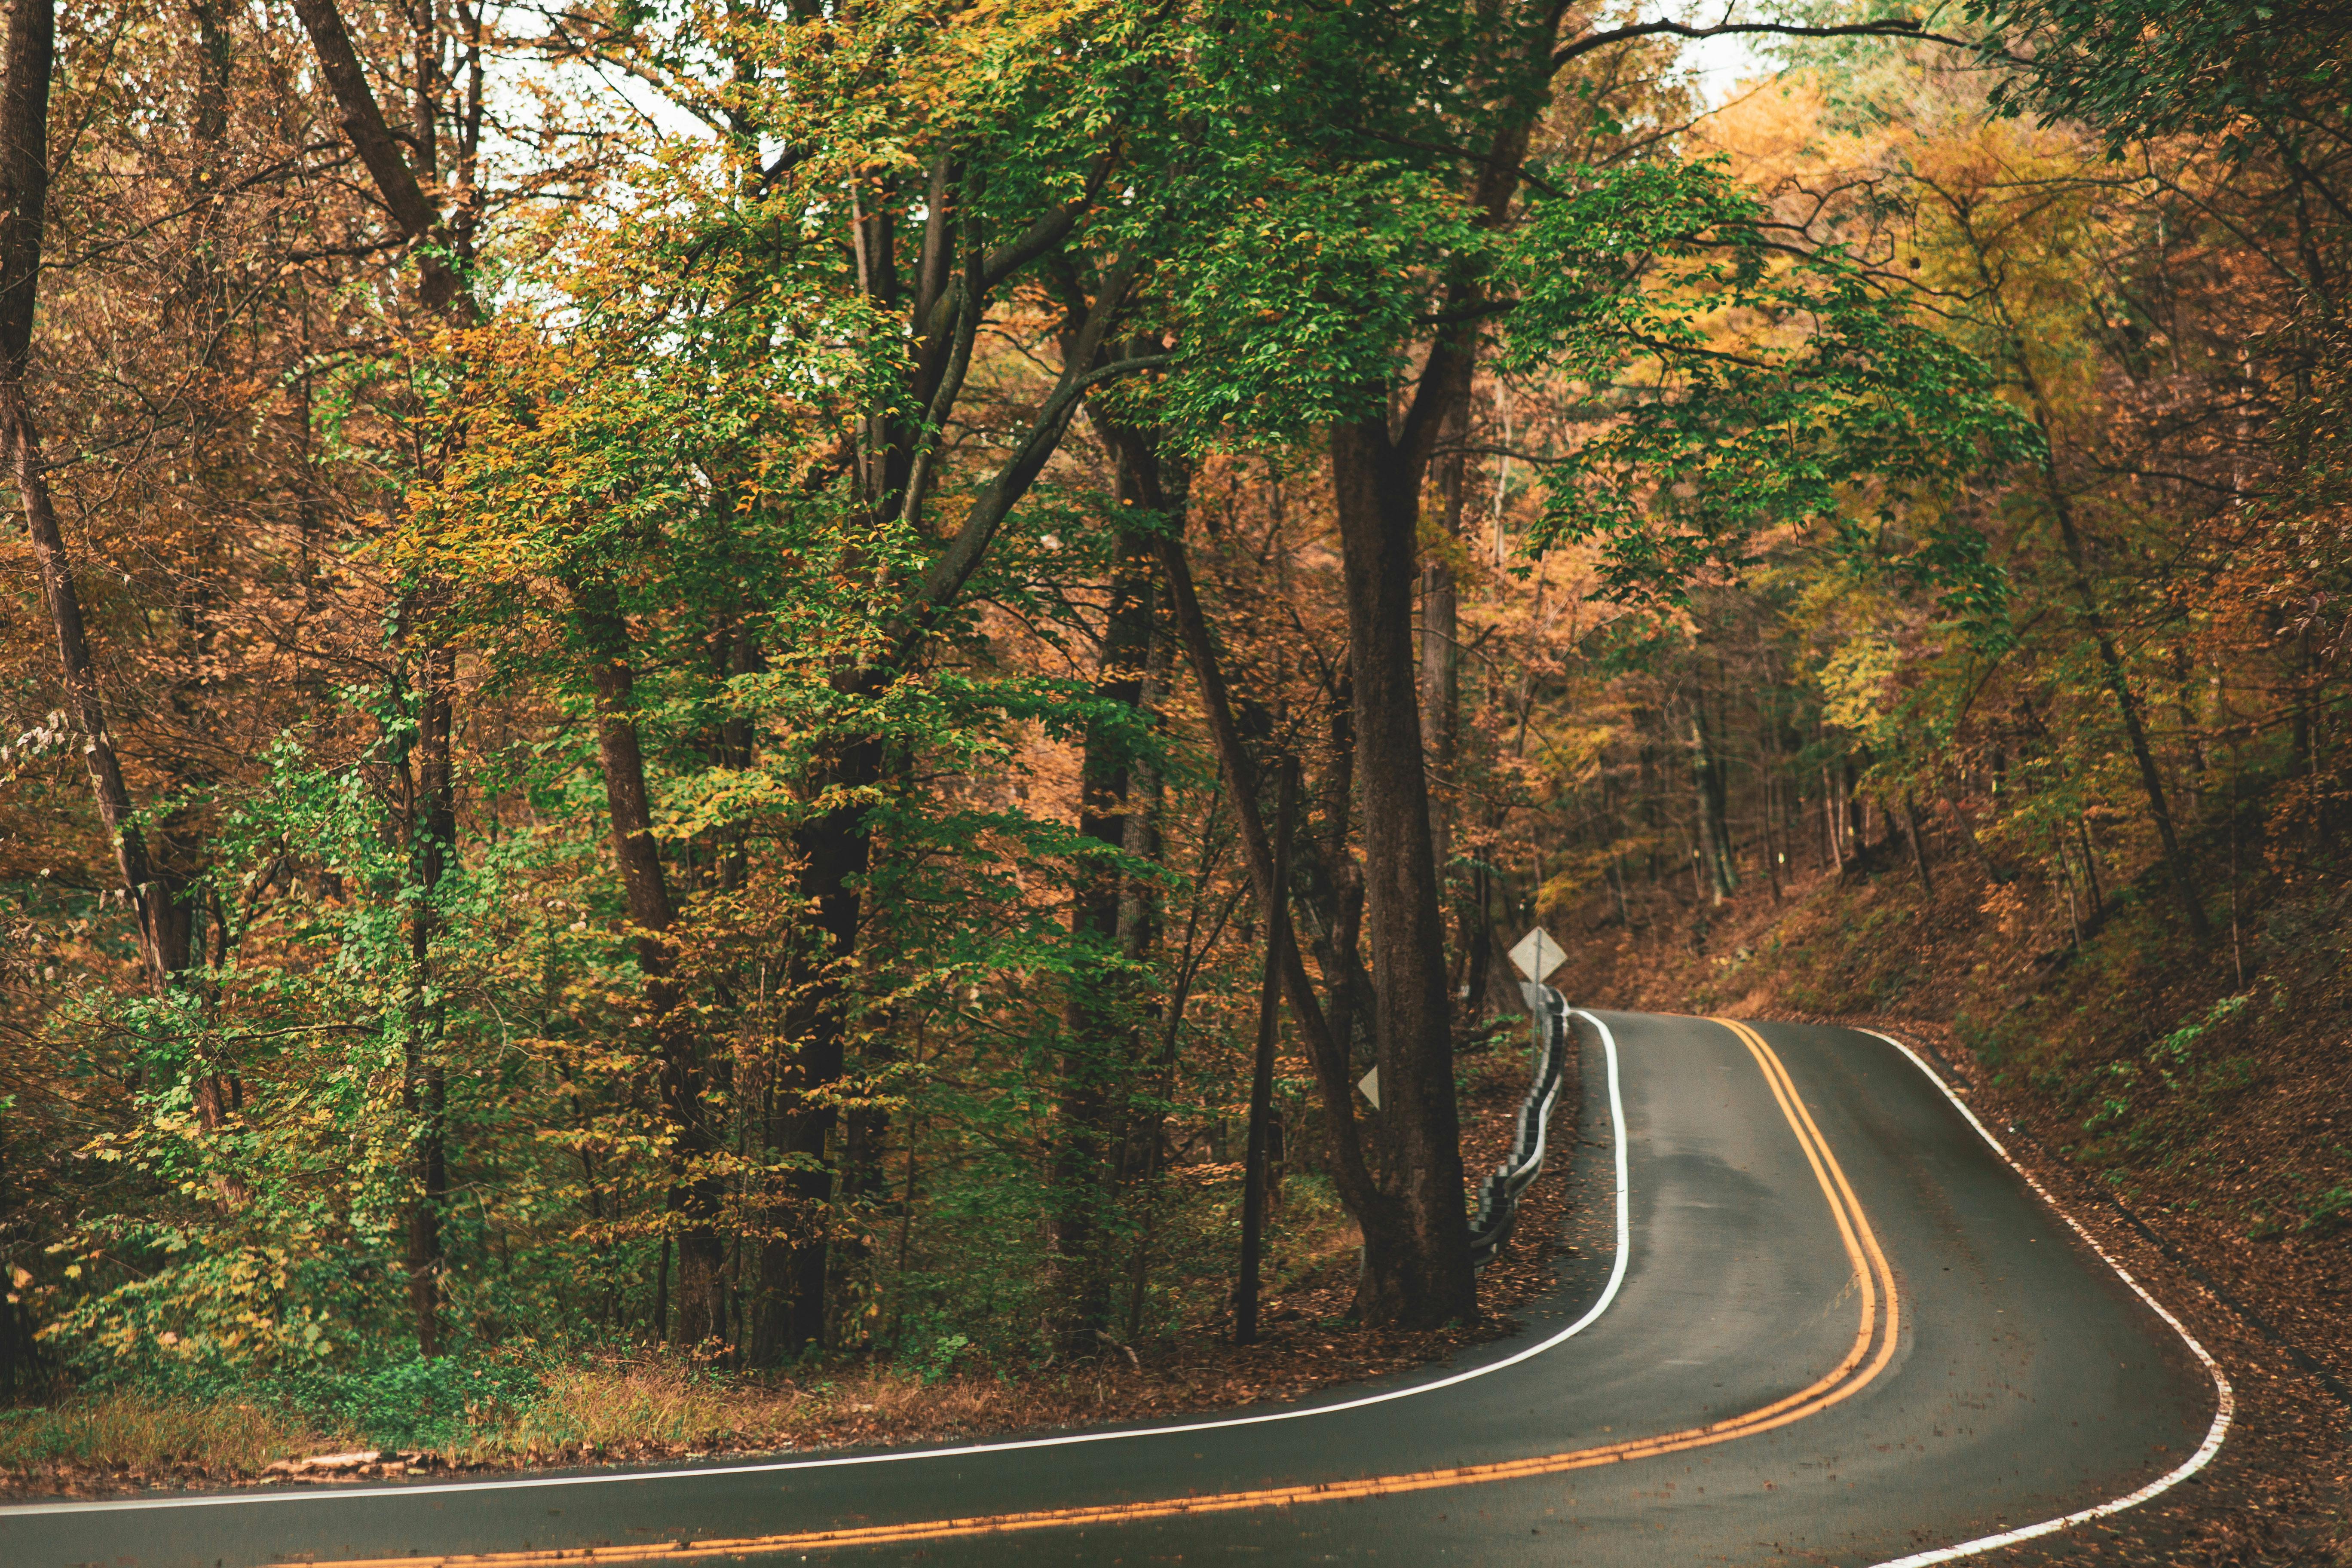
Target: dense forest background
650	647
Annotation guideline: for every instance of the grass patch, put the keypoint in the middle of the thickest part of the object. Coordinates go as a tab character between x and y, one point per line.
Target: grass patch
619	1408
140	1430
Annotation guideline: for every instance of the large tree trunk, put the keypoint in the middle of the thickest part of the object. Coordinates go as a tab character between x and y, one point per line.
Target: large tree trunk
837	850
1426	1278
1440	664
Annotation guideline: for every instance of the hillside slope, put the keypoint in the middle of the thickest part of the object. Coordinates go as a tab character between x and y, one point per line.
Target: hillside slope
2194	1107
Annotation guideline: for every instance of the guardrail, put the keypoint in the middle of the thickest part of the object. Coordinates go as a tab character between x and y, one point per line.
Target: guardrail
1498	1195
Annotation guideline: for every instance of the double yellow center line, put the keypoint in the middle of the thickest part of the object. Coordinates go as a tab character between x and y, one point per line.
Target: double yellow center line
1873	1348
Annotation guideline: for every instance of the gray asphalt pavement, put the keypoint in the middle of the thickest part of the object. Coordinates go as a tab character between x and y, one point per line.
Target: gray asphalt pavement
1744	1353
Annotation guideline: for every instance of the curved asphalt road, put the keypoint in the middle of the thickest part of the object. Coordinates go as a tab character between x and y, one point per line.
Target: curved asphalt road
1740	1399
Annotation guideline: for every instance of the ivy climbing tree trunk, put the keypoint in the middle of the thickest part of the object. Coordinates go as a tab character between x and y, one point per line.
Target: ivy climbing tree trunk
401	178
1100	1043
696	1193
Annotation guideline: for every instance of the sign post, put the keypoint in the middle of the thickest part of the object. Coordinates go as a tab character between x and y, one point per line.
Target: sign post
1537	956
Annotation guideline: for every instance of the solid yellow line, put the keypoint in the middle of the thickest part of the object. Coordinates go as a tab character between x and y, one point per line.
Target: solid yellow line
1785	1090
1815	1153
1872	1275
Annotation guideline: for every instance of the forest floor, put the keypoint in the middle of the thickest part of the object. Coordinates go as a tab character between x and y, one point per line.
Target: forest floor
654	1409
2193	1110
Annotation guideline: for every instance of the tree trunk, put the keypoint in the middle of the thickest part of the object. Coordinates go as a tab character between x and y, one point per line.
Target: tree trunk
1849	811
1427	1277
1100	1021
837	850
1836	856
2111	661
1261	1103
1440	660
1707	795
695	1194
1918	848
424	1098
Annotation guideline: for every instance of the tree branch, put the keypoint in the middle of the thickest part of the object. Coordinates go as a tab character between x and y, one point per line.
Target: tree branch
1888	28
962	558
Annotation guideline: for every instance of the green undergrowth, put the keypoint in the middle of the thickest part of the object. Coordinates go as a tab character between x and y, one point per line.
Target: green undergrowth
223	1415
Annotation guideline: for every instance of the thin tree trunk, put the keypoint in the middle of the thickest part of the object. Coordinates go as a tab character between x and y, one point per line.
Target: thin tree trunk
2237	946
2066	869
1099	1021
1270	1024
425	1096
1849	818
1441	655
1706	797
1919	849
661	1294
2091	871
1836	856
696	1195
2111	661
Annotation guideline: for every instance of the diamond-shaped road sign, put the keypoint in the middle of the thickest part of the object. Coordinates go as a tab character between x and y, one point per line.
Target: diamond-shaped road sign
1538	956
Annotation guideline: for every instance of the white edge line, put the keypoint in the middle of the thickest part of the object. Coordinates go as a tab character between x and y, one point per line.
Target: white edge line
1607	1295
2225	1405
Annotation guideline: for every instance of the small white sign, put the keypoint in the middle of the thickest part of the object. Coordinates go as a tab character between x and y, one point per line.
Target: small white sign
1370	1086
1538	956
